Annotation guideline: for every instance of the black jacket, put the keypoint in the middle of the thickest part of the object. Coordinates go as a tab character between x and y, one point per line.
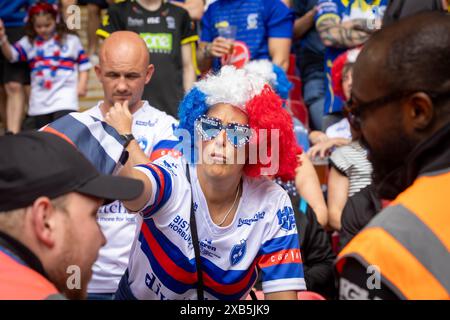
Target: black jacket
317	254
358	211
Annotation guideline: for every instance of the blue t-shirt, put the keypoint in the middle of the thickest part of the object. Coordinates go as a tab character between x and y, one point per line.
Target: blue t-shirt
344	10
256	22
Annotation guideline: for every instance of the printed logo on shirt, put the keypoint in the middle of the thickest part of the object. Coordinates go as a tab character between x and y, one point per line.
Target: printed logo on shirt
286	218
238	252
170	22
222	24
143	143
158	42
281	257
351	291
149	123
252	21
207	249
154	285
181	227
132	22
114	213
115	207
239	57
170	167
153	20
258	216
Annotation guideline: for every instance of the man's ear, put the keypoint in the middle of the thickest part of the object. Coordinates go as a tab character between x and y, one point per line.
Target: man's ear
98	72
149	73
420	111
43	218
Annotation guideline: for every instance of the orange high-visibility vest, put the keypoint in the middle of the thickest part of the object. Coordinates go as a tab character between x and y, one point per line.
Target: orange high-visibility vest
18	282
409	241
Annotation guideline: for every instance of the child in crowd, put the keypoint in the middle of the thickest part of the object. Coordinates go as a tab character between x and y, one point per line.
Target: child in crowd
59	66
338	134
350	169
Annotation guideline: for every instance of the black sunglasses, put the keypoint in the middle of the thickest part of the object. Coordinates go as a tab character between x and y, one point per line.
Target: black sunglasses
209	128
353	110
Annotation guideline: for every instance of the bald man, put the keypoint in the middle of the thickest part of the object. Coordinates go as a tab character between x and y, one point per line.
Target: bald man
170	36
124	69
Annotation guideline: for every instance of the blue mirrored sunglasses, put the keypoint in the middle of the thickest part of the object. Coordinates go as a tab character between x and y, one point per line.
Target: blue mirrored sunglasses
209	128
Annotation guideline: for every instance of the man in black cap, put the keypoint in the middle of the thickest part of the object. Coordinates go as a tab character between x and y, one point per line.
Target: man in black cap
49	197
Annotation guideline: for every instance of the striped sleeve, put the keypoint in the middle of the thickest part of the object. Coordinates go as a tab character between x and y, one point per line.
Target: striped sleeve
339	158
279	259
326	9
161	182
83	61
81	57
96	140
20	50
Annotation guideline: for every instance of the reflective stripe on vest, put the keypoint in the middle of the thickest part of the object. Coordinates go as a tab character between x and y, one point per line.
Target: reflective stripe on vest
18	282
410	240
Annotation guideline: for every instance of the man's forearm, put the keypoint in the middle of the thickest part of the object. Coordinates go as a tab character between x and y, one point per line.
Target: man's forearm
83	78
188	65
204	58
340	36
188	77
6	49
303	24
279	49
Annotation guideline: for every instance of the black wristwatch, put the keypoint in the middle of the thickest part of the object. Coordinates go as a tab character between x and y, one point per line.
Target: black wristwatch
127	137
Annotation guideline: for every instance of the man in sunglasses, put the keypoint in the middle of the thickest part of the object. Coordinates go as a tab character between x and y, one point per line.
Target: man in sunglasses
401	105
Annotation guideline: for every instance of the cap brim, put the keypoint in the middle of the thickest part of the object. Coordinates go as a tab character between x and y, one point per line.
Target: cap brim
112	188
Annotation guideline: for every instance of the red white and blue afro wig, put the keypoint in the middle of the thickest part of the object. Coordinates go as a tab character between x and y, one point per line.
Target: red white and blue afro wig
272	74
254	96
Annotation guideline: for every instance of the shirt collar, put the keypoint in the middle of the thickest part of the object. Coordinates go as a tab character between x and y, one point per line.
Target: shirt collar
17	251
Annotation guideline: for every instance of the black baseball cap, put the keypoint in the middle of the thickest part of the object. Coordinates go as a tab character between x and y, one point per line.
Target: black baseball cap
35	164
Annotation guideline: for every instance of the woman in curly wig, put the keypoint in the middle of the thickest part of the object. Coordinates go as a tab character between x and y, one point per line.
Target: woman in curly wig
245	222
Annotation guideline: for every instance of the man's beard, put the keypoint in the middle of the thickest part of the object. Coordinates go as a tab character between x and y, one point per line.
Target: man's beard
390	158
67	276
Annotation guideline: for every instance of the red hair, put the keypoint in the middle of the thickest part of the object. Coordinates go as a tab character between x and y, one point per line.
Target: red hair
336	75
265	111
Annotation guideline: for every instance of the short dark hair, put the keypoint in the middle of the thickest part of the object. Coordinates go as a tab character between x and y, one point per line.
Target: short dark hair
416	53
